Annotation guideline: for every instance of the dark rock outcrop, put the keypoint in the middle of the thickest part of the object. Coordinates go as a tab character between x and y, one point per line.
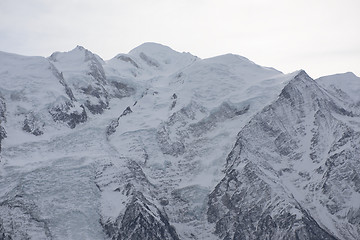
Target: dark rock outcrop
122	89
128	59
93	92
33	125
2	134
149	61
2	120
174	98
115	123
244	206
67	114
60	76
96	108
141	220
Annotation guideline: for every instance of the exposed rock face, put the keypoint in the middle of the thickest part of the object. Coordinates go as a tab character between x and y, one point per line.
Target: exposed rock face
245	206
61	79
112	127
91	91
115	123
128	59
123	90
2	120
141	220
149	61
67	113
293	150
96	68
2	135
2	108
33	125
173	104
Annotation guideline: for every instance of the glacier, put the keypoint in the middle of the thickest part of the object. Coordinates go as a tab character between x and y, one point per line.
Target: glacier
158	144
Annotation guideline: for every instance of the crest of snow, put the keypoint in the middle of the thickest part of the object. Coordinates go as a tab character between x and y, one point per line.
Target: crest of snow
161	55
346	82
28	85
74	62
227	78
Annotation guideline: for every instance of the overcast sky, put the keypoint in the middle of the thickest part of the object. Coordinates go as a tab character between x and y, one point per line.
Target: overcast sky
319	36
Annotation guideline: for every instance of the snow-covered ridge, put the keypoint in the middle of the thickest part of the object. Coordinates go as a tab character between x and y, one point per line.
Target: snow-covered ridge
348	83
157	144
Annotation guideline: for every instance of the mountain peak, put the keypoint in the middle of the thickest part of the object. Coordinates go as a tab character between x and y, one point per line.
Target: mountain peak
348	82
79	50
345	75
230	58
77	54
151	48
301	75
78	47
160	57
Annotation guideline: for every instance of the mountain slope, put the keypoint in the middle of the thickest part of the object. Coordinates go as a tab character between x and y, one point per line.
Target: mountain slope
157	144
294	156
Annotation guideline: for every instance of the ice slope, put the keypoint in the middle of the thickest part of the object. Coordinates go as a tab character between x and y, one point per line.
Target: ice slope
52	185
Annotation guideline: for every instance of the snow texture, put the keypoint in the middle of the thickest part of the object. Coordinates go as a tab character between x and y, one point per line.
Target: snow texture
157	144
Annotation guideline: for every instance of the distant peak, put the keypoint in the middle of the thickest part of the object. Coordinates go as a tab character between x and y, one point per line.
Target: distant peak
152	48
79	53
301	75
151	45
300	78
346	75
80	48
230	57
350	74
301	72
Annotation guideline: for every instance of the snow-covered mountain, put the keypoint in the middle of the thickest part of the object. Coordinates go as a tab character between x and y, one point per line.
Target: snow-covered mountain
157	144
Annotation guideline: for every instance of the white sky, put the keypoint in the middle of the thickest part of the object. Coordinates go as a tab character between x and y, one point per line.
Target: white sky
319	36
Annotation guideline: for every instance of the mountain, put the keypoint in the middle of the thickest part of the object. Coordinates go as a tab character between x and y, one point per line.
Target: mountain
299	158
157	144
